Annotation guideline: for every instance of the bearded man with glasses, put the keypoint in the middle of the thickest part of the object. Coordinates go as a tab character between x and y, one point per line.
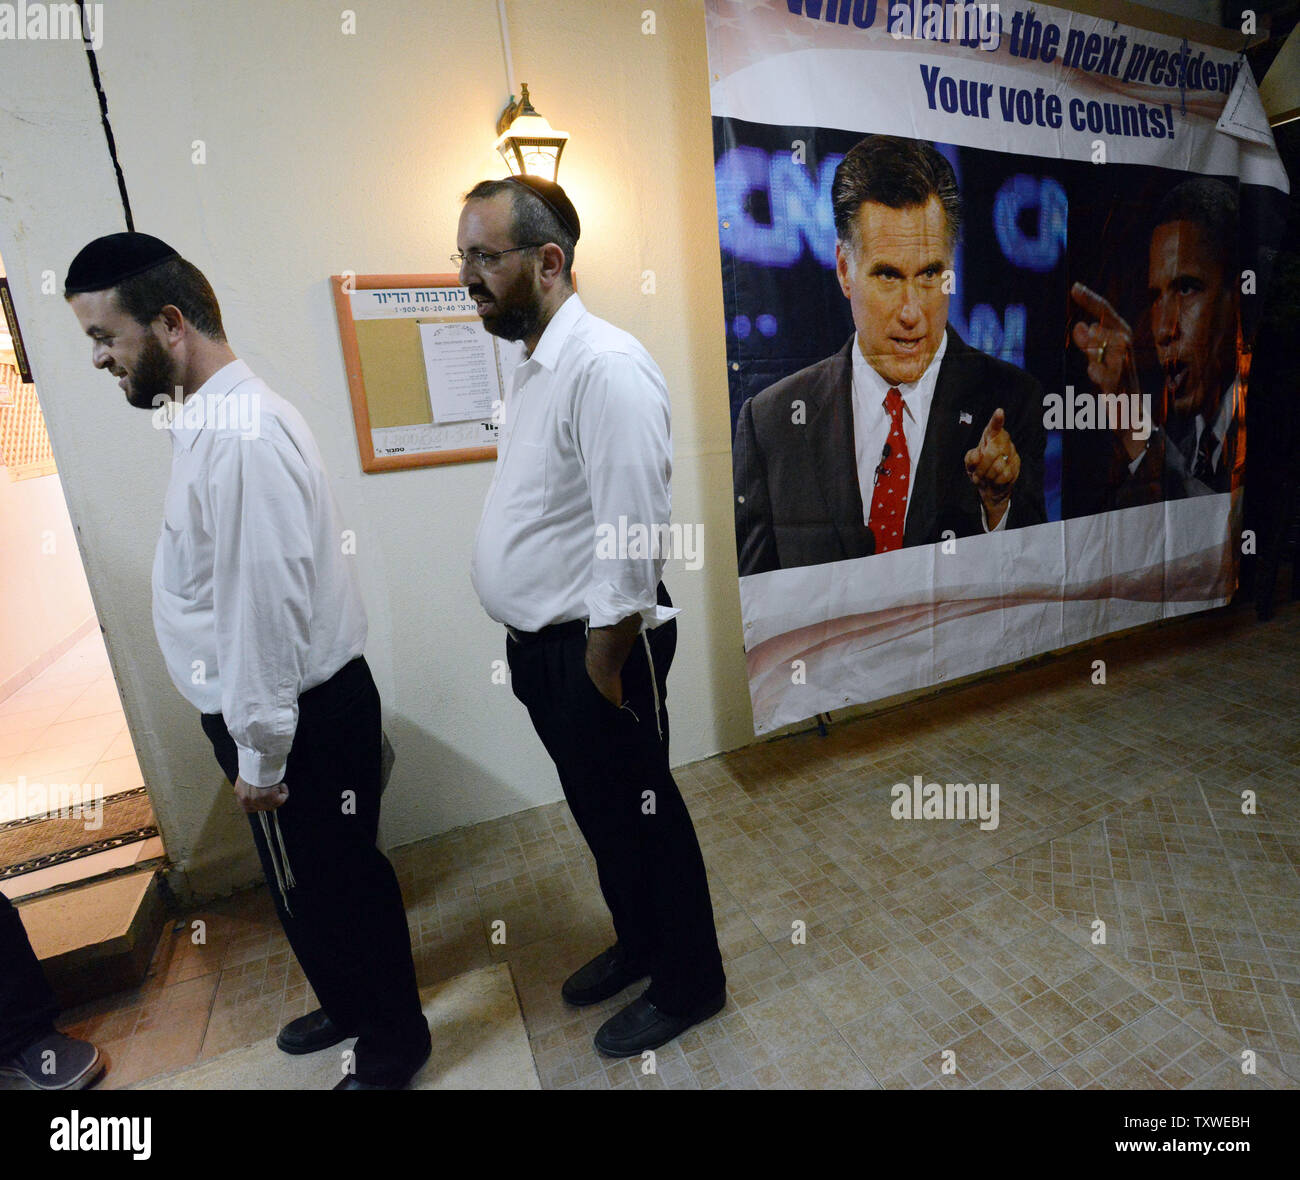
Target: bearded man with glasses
584	445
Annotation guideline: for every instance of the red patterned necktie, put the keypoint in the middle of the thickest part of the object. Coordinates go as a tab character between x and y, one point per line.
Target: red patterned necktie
889	499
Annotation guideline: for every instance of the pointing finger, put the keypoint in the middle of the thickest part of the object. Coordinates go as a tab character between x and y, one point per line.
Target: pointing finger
1098	307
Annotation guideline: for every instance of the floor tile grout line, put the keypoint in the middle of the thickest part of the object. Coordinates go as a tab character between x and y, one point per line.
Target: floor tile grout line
1175	1016
1254	921
1141	981
1120	912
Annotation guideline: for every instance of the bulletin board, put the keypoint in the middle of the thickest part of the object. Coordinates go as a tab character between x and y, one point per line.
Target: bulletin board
425	377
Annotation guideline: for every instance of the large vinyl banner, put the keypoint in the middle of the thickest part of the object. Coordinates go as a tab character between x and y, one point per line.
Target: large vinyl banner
991	273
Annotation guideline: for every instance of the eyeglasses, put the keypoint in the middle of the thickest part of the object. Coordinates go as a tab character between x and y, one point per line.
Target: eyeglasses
482	260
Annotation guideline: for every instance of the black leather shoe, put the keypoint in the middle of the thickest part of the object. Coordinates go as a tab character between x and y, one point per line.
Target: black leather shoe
352	1082
606	975
309	1033
641	1026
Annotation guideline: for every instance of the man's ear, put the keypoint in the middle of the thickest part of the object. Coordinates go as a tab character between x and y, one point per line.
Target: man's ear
842	264
551	265
173	322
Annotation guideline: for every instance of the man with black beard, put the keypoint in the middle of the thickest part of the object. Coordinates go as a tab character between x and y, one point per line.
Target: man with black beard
262	628
585	455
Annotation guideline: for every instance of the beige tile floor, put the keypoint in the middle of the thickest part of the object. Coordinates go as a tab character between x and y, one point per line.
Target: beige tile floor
66	726
927	942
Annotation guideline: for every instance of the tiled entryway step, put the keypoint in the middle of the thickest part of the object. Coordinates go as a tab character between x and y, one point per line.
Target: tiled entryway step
479	1043
135	857
96	939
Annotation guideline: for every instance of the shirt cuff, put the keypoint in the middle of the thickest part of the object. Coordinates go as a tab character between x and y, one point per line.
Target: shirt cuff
607	606
260	770
1001	525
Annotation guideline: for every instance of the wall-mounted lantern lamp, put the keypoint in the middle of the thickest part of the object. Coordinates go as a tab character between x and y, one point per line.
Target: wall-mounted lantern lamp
527	142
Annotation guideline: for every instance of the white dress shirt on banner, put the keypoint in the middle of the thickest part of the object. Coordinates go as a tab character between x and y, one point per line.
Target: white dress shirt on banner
1222	422
254	600
574	525
871	424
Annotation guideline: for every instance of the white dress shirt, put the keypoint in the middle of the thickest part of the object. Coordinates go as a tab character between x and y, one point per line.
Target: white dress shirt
871	424
254	600
1222	422
584	460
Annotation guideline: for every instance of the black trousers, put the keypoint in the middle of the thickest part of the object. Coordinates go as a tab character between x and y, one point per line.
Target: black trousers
27	1005
348	924
613	766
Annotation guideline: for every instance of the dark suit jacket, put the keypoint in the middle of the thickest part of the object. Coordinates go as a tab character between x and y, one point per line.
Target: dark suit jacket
1099	479
796	484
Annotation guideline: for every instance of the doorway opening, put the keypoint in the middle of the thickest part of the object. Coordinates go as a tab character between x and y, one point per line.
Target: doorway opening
74	807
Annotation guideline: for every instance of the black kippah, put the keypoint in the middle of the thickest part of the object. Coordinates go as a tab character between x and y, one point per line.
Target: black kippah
111	260
555	199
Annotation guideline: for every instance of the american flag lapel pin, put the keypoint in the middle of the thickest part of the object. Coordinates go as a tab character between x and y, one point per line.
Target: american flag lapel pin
964	418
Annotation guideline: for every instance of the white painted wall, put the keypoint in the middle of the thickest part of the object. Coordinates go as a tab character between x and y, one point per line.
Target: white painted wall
328	152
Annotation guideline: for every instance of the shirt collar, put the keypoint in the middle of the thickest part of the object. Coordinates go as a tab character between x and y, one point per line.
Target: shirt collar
556	332
873	387
197	410
1222	420
1227	408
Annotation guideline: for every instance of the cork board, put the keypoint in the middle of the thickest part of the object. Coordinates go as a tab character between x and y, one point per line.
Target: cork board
425	378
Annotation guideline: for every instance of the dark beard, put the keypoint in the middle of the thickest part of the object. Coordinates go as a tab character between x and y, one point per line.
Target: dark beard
152	378
515	323
518	309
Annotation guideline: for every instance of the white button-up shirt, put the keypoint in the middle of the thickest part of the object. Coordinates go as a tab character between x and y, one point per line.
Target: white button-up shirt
871	424
254	599
1222	421
575	525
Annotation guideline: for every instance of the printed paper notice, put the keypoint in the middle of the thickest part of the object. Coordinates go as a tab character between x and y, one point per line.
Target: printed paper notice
461	368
